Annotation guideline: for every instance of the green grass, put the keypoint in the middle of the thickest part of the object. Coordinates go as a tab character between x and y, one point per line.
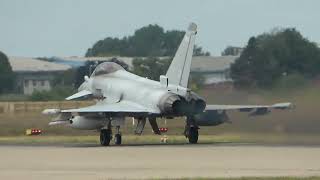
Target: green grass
172	139
129	139
299	125
13	97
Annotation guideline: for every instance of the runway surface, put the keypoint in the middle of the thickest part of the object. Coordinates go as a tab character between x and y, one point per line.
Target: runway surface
157	161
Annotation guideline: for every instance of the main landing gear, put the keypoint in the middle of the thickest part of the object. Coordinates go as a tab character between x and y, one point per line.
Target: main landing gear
117	136
106	136
191	130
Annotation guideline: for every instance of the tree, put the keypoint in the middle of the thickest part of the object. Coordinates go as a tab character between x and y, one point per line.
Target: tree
65	78
270	56
153	67
172	40
196	81
58	93
241	70
148	41
6	74
197	51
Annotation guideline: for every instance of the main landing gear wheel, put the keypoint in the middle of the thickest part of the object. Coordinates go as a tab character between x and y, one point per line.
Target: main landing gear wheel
117	139
105	137
191	130
193	135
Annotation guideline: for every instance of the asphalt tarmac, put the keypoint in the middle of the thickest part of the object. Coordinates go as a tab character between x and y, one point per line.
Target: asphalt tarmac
82	162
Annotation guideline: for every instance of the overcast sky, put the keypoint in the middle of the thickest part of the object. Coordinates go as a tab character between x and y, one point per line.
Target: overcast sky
70	27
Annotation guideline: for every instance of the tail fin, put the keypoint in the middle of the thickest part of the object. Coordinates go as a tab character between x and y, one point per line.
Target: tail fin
179	70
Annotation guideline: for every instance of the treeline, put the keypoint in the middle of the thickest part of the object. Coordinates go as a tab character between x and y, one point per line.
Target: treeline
6	74
148	41
153	67
281	58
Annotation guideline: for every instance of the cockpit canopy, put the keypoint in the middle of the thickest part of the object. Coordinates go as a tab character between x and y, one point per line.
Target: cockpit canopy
106	68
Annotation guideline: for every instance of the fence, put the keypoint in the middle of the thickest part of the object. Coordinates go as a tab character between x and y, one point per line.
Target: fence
16	107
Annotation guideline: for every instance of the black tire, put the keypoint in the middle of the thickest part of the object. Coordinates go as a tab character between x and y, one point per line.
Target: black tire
193	135
105	137
117	139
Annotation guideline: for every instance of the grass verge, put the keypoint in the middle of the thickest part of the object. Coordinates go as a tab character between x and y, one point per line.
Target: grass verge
171	139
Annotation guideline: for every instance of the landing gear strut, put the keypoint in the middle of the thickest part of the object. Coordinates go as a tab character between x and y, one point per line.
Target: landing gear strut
105	137
191	130
117	136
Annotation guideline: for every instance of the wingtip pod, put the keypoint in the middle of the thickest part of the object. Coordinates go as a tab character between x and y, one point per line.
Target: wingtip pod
51	111
286	105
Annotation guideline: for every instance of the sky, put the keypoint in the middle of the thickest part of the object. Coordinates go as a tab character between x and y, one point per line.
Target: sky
37	28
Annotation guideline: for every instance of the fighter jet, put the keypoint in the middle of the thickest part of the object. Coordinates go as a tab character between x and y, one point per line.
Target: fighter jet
120	94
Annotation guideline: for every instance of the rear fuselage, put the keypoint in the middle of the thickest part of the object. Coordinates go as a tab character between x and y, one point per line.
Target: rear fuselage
124	86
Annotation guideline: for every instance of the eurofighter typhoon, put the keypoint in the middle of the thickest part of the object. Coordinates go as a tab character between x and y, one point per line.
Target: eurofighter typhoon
120	94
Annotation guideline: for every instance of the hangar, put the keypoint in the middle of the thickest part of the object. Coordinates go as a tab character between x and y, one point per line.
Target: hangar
215	69
33	74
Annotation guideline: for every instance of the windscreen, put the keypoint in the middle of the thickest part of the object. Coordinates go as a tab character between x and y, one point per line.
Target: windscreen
106	68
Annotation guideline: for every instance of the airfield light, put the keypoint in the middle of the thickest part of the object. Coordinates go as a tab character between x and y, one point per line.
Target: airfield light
31	132
163	130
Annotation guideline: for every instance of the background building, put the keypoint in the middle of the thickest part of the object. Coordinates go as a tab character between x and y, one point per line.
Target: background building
214	69
37	75
34	75
232	51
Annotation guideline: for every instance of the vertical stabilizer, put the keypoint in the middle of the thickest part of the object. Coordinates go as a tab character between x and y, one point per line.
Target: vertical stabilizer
179	70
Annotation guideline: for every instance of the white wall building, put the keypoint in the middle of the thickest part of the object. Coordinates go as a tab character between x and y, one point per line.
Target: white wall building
34	75
214	69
